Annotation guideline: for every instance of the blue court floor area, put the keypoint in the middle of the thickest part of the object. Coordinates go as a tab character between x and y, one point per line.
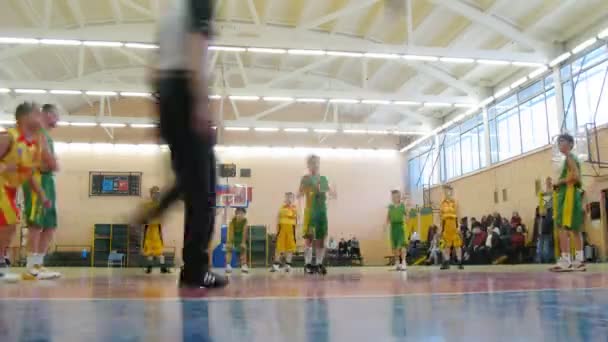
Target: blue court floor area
543	315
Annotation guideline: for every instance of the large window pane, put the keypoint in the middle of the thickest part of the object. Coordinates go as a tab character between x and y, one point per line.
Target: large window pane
588	101
451	154
533	118
482	146
569	113
493	141
507	127
552	116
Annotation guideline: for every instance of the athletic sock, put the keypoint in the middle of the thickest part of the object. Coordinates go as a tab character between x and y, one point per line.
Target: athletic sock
308	255
30	261
288	257
579	256
320	256
566	257
40	259
161	259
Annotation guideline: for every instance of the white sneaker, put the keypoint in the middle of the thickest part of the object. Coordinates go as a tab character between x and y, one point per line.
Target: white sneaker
275	268
8	277
245	268
287	268
563	265
45	274
404	267
398	267
228	269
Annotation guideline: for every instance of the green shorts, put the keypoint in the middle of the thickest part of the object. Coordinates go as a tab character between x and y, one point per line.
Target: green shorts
318	222
36	214
237	241
397	235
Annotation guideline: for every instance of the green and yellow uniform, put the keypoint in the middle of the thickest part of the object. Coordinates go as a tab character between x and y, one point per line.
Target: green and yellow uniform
153	234
569	207
315	213
396	216
236	233
35	213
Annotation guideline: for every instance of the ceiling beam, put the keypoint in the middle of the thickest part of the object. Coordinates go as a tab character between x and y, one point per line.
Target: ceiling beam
254	12
249	35
137	8
446	78
116	11
494	23
355	6
299	71
48	13
271	110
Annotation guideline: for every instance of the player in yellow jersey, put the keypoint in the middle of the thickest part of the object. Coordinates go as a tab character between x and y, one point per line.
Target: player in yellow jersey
21	152
450	234
153	245
286	233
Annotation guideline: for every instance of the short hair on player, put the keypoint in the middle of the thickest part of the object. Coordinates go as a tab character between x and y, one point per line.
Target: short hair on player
240	210
394	192
312	157
567	138
48	107
24	109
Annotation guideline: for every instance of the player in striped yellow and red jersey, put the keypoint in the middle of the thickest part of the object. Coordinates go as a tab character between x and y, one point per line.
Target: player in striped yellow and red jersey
21	153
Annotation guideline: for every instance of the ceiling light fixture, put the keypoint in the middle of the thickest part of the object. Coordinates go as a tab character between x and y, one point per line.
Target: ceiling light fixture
456	60
296	130
143	125
11	40
101	43
420	58
112	125
376	102
325	131
306	52
267	50
560	59
266	129
244	97
134	94
311	100
83	124
101	93
344	54
344	101
65	92
277	99
582	46
407	103
381	55
227	48
67	42
143	46
493	62
237	129
30	91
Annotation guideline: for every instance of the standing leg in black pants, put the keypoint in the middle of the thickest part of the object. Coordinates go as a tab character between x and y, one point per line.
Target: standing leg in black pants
194	166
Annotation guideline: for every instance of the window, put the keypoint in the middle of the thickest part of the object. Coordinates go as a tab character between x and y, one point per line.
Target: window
589	99
451	154
509	138
552	116
533	118
569	114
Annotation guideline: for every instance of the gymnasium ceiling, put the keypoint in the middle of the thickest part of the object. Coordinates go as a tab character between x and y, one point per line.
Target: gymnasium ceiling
518	32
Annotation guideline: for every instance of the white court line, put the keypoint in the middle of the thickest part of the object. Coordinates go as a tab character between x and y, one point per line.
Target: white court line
271	298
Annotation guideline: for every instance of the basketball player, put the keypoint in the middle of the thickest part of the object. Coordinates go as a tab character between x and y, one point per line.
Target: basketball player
20	155
569	209
153	245
186	126
395	219
286	233
449	229
237	240
316	188
42	222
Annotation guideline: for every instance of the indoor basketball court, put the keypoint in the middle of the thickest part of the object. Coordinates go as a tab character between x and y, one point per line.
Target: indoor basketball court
303	170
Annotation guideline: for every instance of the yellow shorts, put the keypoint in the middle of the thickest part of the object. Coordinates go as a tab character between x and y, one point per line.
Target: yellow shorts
451	236
153	240
9	212
286	239
306	231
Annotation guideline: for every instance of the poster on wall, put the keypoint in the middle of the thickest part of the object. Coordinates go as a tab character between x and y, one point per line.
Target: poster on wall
115	183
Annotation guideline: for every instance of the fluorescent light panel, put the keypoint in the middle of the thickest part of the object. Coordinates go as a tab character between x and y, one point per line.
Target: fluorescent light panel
30	91
227	48
112	125
238	129
266	129
344	54
83	124
493	62
354	131
7	122
63	123
267	50
502	92
102	43
4	90
603	34
277	99
582	46
244	97
378	102
134	94
142	125
143	46
560	59
325	131
377	132
306	52
420	58
344	101
14	40
67	42
456	60
311	100
296	130
437	104
65	92
101	93
538	72
528	64
381	55
407	103
519	82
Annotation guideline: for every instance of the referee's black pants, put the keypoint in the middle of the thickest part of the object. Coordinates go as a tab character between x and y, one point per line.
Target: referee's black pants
193	162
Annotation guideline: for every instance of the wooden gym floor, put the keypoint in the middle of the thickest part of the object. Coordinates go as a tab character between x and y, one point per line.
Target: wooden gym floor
493	303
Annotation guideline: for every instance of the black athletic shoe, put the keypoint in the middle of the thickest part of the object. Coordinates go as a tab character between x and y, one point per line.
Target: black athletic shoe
148	269
445	266
322	269
460	266
208	280
165	270
309	269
